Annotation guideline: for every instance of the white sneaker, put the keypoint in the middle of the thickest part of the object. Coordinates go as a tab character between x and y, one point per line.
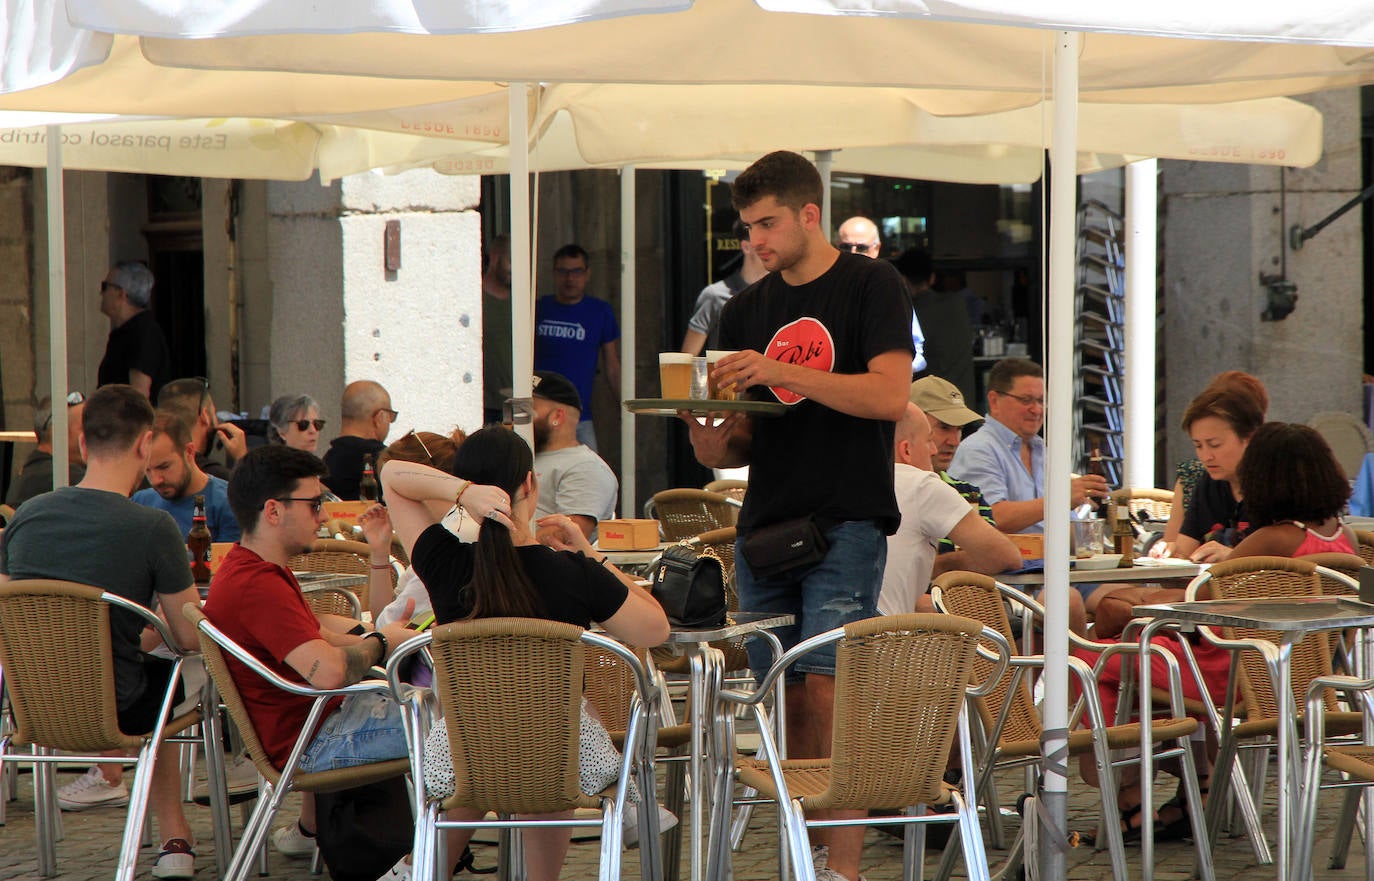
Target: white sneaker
91	791
824	873
629	825
176	861
292	842
820	855
398	872
241	783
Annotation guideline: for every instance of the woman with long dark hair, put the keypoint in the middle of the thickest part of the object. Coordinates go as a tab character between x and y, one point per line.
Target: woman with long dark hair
507	573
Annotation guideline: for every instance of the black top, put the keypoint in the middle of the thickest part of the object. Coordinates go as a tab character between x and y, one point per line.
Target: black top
1215	515
36	478
575	589
344	459
949	339
815	460
137	344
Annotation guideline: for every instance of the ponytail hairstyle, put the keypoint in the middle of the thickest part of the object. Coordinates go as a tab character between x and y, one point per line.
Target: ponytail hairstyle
500	588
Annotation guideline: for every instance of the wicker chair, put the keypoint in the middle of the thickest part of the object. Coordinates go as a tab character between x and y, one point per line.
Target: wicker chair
1011	723
55	650
1156	503
334	601
1355	764
730	488
1365	548
1254	660
900	690
687	513
217	648
337	555
503	675
6	514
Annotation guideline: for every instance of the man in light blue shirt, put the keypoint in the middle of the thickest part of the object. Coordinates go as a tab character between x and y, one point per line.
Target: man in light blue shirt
1006	457
175	480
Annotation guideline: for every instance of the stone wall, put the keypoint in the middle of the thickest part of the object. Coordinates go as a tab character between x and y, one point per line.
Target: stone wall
1224	226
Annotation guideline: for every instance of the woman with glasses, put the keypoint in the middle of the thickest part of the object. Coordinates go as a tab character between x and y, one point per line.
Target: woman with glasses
295	420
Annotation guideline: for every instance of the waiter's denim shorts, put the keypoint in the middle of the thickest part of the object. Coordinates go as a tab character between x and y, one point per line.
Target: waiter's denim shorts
839	589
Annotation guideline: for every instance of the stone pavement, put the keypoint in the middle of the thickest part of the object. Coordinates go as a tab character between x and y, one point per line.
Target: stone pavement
88	850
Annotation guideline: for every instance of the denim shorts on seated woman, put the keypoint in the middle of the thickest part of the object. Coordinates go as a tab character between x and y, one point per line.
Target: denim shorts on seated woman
839	589
365	728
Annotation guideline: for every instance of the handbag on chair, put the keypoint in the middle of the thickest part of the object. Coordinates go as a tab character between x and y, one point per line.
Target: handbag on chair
690	586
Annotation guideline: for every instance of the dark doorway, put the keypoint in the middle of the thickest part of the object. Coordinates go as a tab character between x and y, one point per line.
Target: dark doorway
176	254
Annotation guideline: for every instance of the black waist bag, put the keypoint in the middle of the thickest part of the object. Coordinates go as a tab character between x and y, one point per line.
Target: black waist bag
782	547
690	586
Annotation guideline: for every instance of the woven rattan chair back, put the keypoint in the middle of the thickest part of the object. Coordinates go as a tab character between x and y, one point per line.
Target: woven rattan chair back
609	686
333	601
729	487
899	689
1156	503
1365	546
975	596
1348	565
6	514
1260	577
685	513
338	555
55	648
511	689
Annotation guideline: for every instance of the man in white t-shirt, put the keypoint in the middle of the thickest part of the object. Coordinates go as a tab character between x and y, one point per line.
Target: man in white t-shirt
931	510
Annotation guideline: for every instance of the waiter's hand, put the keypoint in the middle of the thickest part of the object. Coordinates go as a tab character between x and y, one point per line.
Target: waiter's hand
746	368
711	440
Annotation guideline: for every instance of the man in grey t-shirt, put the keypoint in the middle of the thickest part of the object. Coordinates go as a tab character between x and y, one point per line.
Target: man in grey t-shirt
713	297
93	534
572	478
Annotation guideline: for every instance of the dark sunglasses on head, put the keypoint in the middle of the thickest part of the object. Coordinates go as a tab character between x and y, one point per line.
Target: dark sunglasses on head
72	400
304	424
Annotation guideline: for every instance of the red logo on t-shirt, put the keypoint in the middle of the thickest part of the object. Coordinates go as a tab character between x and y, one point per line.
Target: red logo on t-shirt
806	342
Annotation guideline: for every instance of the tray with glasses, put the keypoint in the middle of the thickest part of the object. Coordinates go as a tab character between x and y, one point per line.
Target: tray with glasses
702	407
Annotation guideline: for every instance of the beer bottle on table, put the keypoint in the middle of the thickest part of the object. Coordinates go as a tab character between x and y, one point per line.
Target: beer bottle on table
367	487
198	543
1096	466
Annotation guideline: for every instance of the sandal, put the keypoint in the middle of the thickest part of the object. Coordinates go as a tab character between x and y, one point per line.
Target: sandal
1181	827
1130	828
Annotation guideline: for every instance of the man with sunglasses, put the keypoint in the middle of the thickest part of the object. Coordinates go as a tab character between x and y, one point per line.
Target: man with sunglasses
136	352
218	445
367	420
859	235
36	476
1006	456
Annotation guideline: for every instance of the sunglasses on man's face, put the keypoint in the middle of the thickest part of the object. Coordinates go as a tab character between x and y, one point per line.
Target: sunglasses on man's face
304	424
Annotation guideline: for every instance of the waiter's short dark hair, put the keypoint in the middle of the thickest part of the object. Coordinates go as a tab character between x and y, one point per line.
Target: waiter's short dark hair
786	176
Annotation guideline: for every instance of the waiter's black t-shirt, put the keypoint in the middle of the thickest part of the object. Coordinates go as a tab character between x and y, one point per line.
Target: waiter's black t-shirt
575	589
137	344
814	460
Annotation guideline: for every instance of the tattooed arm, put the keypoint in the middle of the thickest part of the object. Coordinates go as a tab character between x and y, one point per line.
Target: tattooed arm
331	666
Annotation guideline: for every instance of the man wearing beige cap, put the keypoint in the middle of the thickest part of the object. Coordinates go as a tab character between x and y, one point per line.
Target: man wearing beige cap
945	410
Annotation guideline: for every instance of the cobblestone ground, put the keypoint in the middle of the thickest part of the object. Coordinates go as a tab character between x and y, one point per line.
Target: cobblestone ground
88	850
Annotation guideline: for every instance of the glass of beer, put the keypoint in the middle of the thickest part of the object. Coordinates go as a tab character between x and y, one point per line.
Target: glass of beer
718	393
675	375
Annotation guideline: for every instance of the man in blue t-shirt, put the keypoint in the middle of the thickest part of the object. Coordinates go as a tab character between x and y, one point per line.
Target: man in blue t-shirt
175	480
572	330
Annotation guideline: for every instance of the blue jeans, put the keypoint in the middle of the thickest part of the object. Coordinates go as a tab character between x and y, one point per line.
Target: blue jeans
839	589
366	728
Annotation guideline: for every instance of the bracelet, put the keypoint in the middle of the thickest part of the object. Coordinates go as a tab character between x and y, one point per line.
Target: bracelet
381	640
458	499
605	561
379	566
